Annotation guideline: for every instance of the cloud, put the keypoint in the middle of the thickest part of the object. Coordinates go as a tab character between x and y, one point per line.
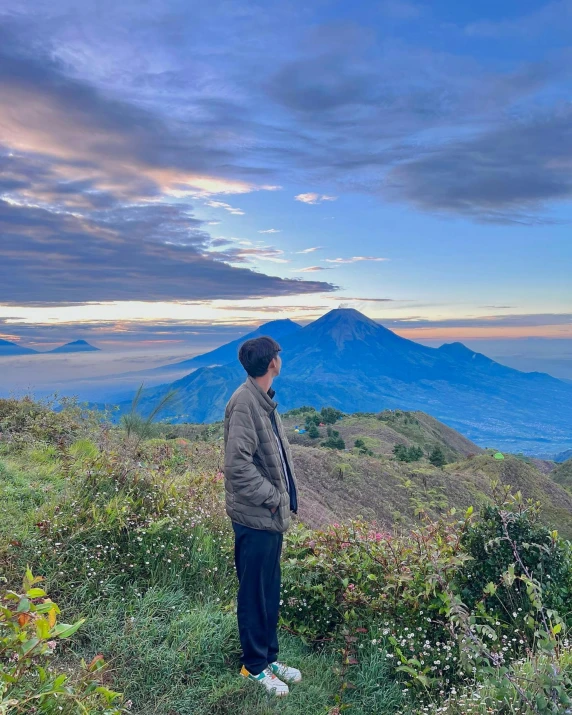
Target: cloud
149	108
506	175
311	269
525	320
312	198
226	207
91	135
270	230
355	259
267	253
374	300
310	250
148	252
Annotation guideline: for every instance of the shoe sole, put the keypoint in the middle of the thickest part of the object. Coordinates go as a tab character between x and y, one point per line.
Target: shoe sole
273	691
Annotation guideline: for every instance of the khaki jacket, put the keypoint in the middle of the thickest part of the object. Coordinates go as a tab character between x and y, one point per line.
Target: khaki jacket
253	473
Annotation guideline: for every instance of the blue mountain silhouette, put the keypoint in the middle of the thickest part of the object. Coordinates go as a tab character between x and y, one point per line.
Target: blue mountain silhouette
8	348
346	360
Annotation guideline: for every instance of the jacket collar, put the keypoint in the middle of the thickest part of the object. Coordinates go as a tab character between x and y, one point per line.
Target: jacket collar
264	398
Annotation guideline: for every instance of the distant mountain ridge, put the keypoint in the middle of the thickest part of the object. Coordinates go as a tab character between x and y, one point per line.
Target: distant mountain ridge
228	352
349	361
77	346
9	348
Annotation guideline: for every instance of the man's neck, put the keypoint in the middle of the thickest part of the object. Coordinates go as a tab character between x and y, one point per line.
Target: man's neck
265	381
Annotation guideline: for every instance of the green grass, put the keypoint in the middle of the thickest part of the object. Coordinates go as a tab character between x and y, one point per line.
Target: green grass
25	489
170	650
172	656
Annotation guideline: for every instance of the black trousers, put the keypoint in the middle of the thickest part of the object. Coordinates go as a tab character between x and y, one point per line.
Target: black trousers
257	560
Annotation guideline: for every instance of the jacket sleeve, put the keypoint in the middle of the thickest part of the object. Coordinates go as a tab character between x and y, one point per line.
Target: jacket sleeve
242	443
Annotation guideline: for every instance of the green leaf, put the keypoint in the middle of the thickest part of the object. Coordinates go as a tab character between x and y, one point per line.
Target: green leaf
29	645
42	628
64	630
109	695
35	593
23	606
59	681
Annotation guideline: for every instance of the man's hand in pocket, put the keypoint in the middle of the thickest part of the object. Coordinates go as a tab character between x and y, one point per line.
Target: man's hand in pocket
273	510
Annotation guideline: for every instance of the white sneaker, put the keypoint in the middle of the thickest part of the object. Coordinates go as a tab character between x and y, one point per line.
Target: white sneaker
283	671
269	680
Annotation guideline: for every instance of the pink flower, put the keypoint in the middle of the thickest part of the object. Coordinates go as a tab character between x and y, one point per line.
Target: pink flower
351	587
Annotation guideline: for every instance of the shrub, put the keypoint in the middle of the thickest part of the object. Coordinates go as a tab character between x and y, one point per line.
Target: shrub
127	524
330	415
29	634
297	411
491	543
407	454
313	431
334	441
313	419
360	445
52	422
437	457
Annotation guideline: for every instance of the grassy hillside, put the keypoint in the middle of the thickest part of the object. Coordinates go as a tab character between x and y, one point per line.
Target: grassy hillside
382	431
131	534
344	484
562	474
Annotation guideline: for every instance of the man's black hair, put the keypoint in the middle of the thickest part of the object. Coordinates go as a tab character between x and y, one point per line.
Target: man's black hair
256	354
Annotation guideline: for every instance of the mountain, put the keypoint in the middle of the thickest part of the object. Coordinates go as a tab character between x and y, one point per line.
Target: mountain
7	348
77	346
225	354
563	456
562	474
346	360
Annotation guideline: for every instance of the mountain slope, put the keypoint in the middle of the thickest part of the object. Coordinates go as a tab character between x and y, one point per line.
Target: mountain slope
225	354
381	432
336	485
8	348
562	474
563	456
77	346
349	361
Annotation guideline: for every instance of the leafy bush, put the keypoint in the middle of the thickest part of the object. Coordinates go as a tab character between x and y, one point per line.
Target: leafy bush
330	415
360	445
53	422
297	411
407	454
313	431
29	634
334	441
437	457
312	419
133	524
492	541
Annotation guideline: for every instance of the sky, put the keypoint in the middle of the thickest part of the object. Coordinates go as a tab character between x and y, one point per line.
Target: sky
173	173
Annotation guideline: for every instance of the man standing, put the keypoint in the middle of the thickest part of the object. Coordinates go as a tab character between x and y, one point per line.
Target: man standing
260	491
